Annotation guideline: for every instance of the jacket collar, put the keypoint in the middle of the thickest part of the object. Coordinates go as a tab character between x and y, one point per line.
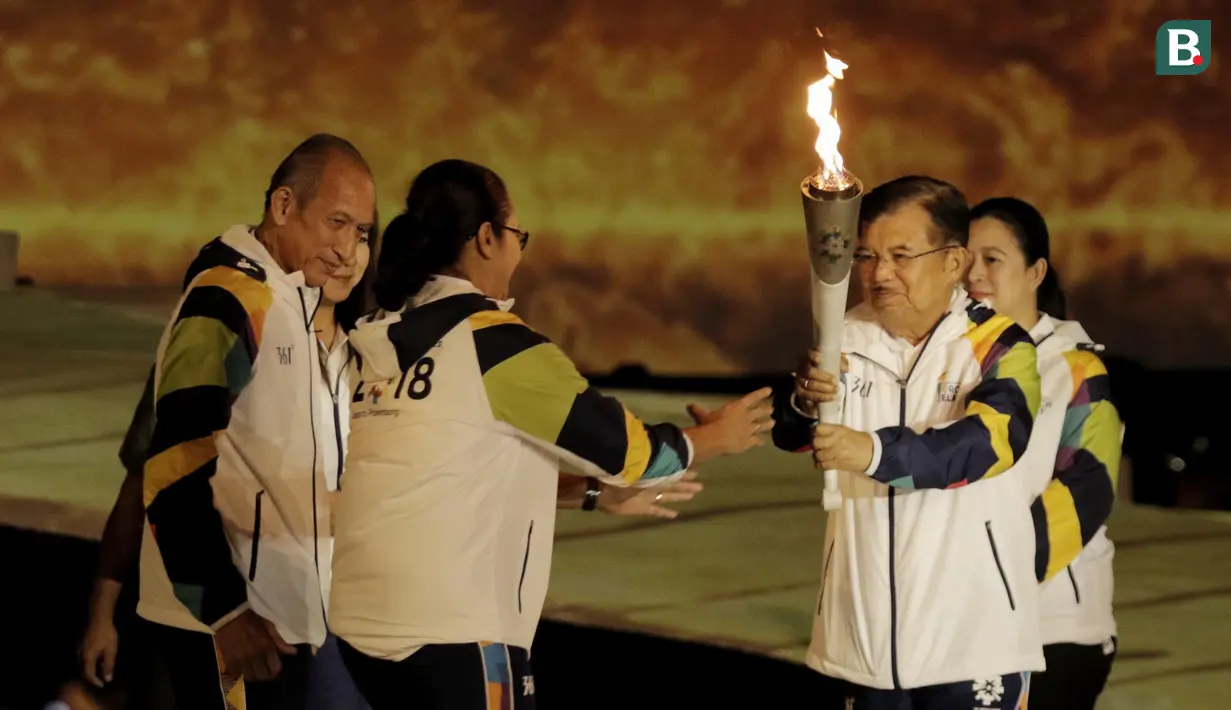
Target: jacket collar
865	334
1055	335
340	341
242	238
441	286
1043	330
386	341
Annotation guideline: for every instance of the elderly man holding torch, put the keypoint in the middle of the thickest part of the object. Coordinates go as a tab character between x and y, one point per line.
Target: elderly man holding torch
928	599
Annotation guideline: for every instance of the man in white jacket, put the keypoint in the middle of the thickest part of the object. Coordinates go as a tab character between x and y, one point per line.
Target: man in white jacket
240	461
236	510
928	598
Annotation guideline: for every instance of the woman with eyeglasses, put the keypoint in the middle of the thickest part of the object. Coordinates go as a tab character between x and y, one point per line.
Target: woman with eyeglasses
462	416
1075	449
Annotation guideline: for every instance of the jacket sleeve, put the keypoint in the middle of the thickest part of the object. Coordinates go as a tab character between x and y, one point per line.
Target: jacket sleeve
136	445
992	435
792	430
207	361
121	543
533	387
1080	496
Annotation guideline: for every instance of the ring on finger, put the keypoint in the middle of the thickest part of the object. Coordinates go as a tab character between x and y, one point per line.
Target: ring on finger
807	383
658	498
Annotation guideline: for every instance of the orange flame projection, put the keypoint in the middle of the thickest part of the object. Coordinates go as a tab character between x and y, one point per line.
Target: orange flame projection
648	149
831	175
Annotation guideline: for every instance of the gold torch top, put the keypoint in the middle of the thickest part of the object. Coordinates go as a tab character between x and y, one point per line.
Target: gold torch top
831	177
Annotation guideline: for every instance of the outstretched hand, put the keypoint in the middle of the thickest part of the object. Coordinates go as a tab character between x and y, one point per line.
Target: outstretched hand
616	500
699	416
734	427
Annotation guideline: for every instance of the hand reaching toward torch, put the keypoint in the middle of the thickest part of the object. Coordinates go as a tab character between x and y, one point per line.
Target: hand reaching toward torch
733	428
834	447
813	385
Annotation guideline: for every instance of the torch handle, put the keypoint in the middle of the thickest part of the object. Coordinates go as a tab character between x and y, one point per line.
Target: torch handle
831	220
828	315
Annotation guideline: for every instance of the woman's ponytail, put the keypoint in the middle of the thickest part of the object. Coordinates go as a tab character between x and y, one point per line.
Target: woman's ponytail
401	270
447	204
1050	295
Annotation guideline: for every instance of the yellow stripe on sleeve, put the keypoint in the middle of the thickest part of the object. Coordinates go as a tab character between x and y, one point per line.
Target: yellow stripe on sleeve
164	469
1063	527
637	457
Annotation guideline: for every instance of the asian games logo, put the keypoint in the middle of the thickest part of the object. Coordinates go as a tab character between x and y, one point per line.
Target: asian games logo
834	245
375	392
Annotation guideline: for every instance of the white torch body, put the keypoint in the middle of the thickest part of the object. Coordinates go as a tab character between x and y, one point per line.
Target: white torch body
832	221
828	316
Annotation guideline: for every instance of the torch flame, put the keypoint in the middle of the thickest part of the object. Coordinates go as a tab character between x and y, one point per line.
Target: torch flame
831	176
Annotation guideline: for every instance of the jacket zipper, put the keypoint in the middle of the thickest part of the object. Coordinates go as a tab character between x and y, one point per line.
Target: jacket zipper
337	418
893	580
1073	580
991	539
893	574
525	562
337	431
824	578
256	537
316	545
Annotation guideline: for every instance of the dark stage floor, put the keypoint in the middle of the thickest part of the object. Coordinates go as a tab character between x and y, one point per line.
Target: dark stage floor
47	581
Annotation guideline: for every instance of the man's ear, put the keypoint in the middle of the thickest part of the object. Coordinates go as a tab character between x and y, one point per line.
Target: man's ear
956	261
281	205
485	241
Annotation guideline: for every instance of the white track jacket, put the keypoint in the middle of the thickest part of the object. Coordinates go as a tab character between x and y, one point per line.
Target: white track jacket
1074	464
462	416
235	487
928	568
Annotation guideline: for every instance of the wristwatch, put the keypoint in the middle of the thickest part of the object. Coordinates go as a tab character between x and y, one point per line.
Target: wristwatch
593	488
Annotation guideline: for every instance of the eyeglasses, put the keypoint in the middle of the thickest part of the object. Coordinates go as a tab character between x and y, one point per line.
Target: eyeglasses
897	261
523	237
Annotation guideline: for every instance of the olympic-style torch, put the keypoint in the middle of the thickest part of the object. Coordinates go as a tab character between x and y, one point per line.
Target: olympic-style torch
831	198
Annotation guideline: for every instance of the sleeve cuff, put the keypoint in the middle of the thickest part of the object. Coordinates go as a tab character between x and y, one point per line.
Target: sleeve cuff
877	449
800	412
230	617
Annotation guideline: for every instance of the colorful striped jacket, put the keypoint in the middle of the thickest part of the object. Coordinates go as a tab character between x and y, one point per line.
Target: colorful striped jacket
1074	457
236	509
928	568
462	417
